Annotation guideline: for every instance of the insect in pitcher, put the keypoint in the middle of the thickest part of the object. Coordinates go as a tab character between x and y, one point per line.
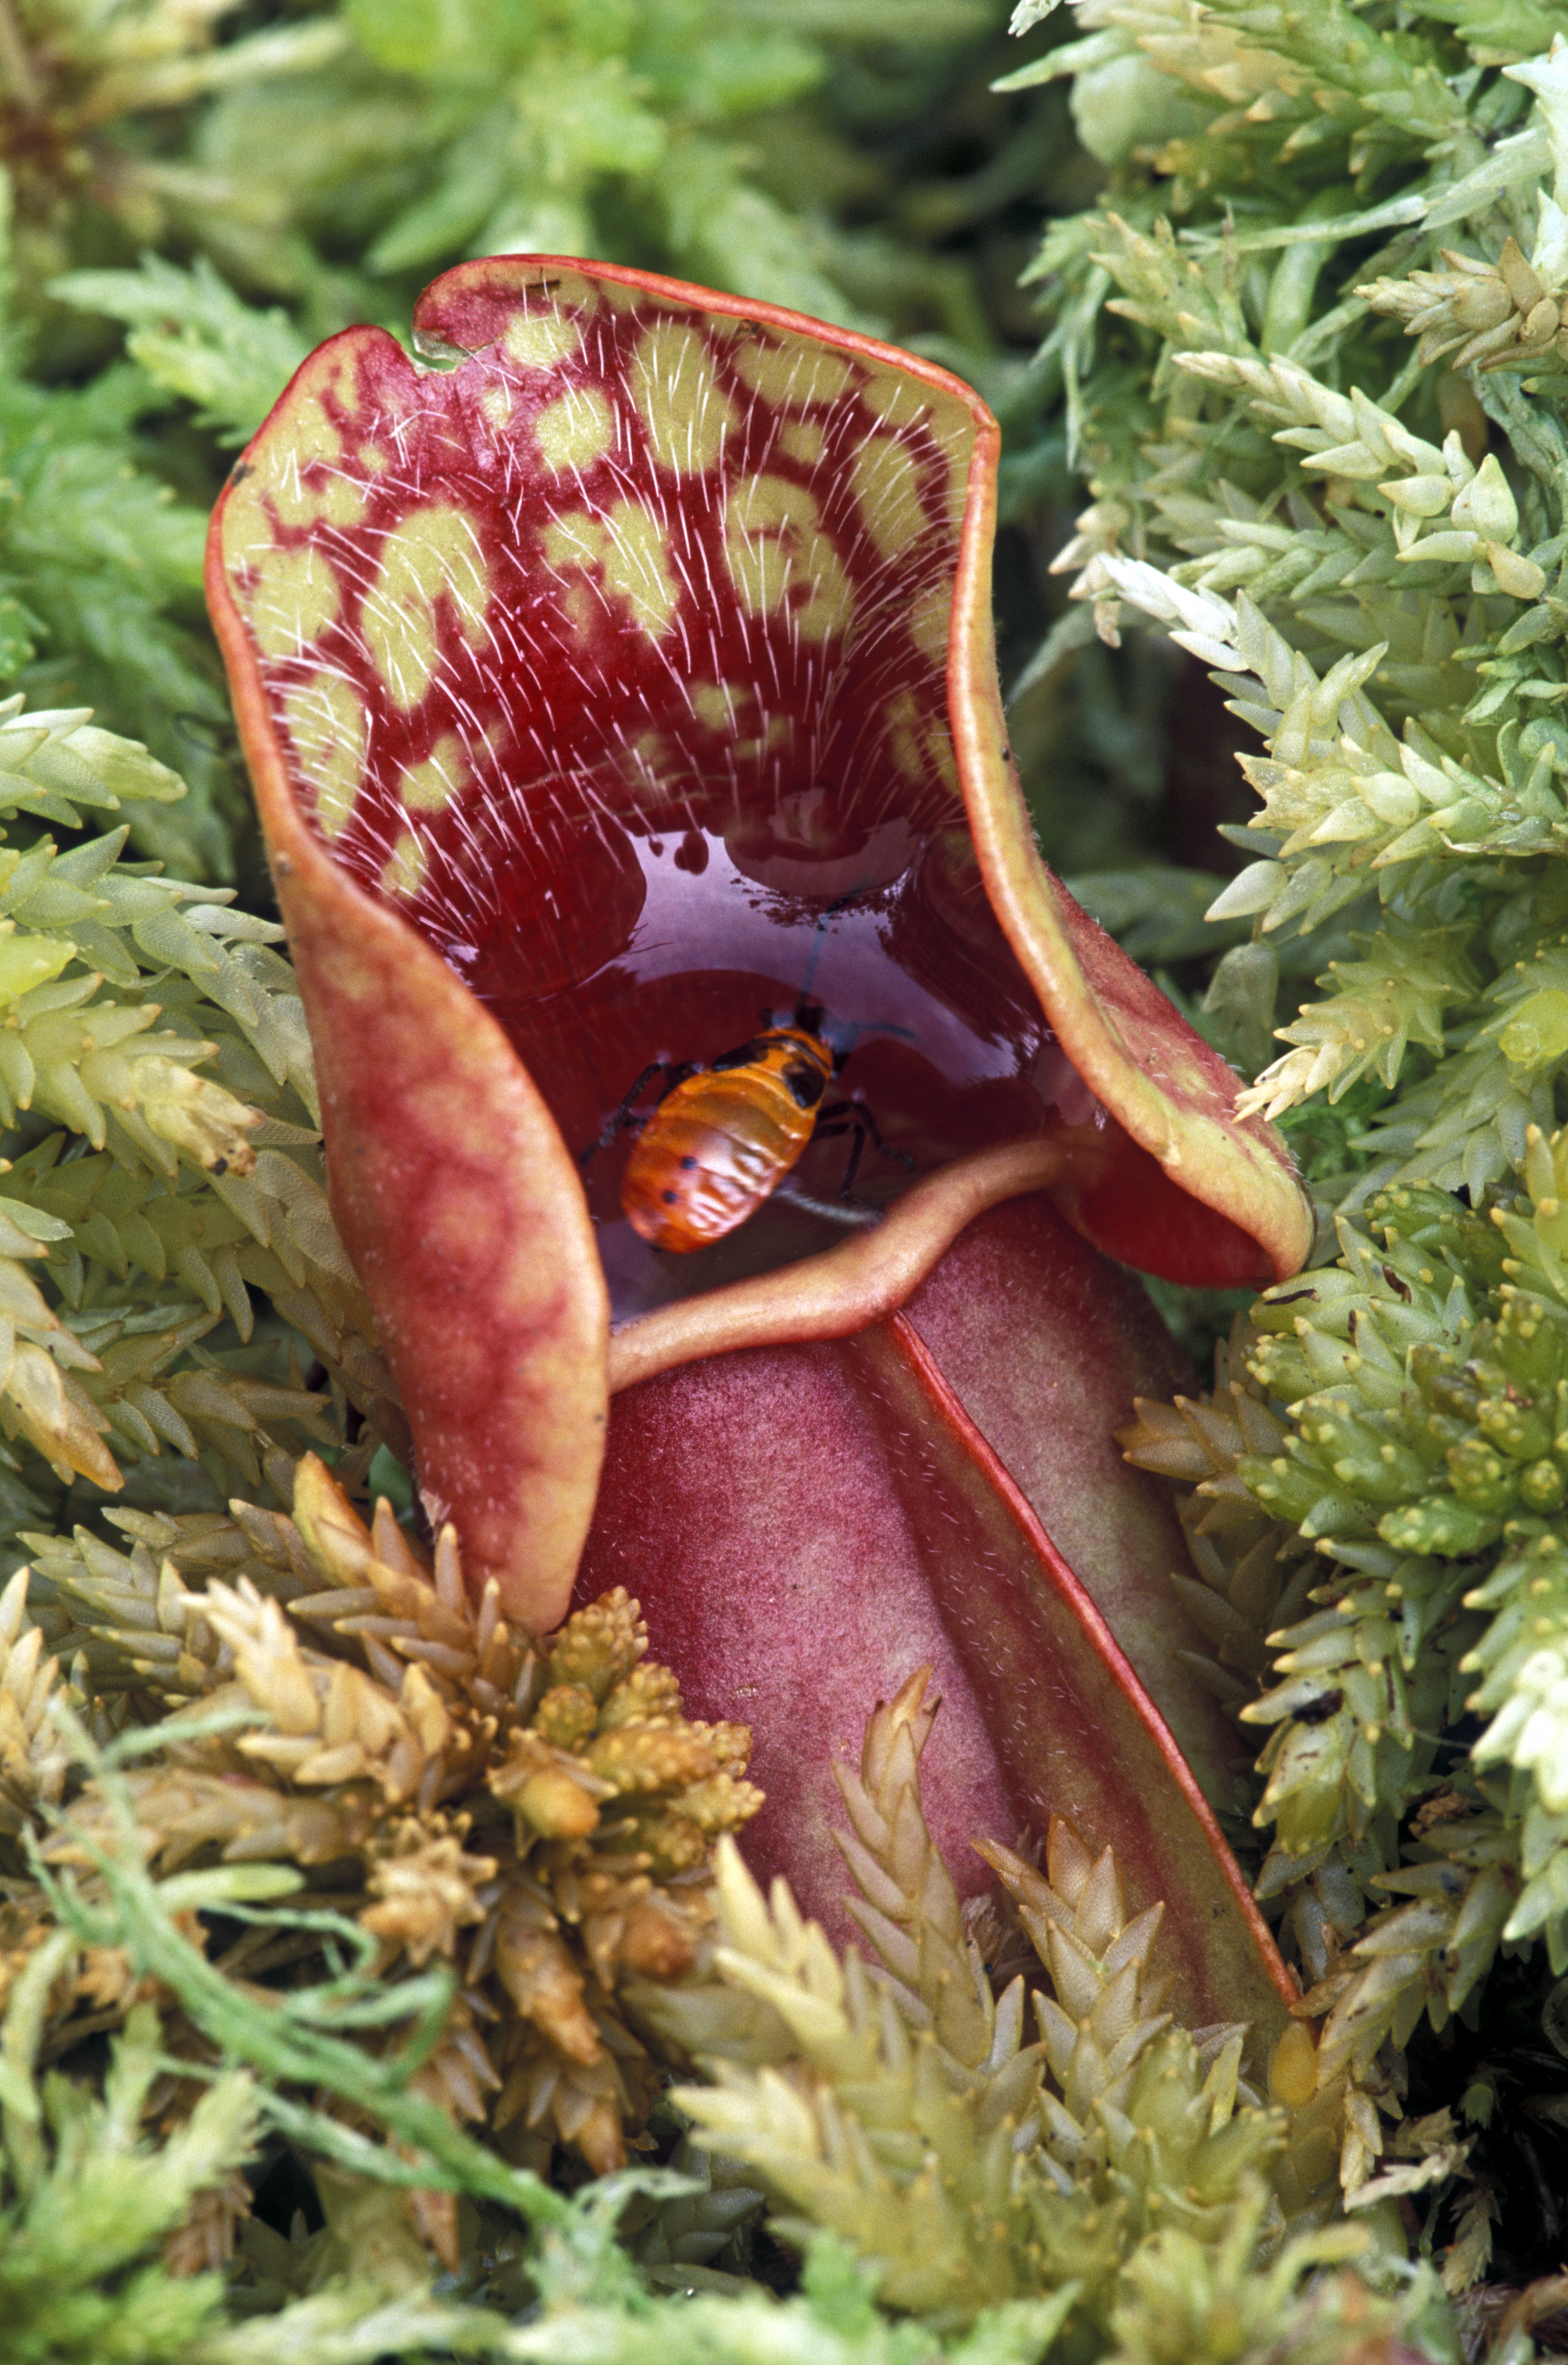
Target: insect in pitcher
724	1137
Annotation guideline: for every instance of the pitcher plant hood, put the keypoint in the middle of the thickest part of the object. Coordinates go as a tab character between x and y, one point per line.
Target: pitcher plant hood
617	681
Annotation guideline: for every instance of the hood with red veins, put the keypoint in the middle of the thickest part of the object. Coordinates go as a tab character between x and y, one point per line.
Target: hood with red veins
610	676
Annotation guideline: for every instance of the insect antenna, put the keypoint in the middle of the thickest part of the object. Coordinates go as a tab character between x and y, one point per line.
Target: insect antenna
808	1013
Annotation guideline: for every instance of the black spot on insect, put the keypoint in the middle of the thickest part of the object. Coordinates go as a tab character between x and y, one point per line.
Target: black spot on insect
687	1164
1319	1710
744	1055
670	1197
804	1083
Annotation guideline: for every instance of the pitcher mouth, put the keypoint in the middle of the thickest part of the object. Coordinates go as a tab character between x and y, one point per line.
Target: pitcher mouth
848	1288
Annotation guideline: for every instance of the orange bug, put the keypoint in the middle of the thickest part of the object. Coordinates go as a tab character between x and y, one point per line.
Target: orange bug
724	1137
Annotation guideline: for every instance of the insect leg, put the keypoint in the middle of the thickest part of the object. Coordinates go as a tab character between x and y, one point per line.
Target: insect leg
846	1188
853	1123
843	1117
838	1211
621	1119
846	1117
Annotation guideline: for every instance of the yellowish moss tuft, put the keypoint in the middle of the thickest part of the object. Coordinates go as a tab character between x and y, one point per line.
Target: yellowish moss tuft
538	1815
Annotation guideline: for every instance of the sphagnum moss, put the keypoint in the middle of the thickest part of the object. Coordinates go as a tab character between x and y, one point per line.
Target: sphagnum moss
1311	354
343	1723
1406	1418
904	2105
538	1815
157	1100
